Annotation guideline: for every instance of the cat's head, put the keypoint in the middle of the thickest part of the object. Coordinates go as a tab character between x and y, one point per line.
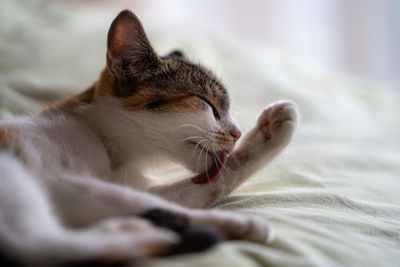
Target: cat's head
180	108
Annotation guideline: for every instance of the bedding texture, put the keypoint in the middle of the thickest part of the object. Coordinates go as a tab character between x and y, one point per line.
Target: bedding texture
333	195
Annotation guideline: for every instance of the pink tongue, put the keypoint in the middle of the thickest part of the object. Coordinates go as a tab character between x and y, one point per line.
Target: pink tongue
210	174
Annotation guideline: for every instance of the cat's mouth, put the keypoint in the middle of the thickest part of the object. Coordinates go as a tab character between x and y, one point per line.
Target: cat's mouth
218	163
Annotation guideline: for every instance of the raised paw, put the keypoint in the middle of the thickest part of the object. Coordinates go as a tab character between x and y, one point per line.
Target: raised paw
273	131
271	134
278	121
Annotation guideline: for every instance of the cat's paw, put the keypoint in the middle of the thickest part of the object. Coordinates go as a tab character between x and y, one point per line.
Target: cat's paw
237	226
278	121
273	131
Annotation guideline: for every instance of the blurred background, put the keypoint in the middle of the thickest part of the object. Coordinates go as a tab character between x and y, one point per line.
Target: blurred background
327	55
360	37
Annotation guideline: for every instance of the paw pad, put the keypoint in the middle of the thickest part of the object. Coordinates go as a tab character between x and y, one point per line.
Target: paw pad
276	126
243	156
273	118
266	130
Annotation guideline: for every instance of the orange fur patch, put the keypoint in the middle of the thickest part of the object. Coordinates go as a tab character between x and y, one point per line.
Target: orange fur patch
6	138
141	99
188	104
82	99
171	104
137	101
10	141
3	137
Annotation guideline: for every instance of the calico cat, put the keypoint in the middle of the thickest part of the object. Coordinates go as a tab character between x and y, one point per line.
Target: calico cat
73	185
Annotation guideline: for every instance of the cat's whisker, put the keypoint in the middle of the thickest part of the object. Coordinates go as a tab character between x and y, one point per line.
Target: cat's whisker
206	161
191	125
216	159
204	149
197	145
201	152
189	138
227	171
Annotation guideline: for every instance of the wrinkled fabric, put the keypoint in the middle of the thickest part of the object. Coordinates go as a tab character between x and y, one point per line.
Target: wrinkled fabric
333	195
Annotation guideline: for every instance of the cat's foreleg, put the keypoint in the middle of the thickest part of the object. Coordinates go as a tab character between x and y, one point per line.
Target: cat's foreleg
85	200
271	134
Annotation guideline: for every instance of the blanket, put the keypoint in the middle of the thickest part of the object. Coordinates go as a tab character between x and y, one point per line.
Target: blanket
333	195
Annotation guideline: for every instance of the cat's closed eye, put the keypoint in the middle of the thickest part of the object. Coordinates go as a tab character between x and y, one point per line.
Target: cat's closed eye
154	104
214	110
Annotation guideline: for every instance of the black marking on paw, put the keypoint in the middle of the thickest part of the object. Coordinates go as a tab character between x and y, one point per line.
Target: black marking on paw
193	239
176	222
197	239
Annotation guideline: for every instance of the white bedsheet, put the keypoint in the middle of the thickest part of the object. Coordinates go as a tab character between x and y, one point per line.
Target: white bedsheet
333	195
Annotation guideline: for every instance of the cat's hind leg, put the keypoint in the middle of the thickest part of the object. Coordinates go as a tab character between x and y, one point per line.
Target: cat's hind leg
31	235
25	214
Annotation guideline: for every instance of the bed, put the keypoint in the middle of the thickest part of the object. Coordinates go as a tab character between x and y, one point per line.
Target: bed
333	195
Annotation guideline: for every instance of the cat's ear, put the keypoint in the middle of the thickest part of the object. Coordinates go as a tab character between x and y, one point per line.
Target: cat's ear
129	52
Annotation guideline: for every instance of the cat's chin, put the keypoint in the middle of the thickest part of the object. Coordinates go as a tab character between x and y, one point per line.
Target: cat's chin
210	174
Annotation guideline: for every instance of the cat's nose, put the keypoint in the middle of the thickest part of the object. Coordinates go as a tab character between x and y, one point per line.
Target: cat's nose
235	133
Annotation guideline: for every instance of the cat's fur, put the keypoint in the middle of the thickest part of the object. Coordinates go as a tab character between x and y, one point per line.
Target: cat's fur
73	176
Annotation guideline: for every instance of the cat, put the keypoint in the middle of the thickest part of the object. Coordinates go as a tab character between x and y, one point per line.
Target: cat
73	185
